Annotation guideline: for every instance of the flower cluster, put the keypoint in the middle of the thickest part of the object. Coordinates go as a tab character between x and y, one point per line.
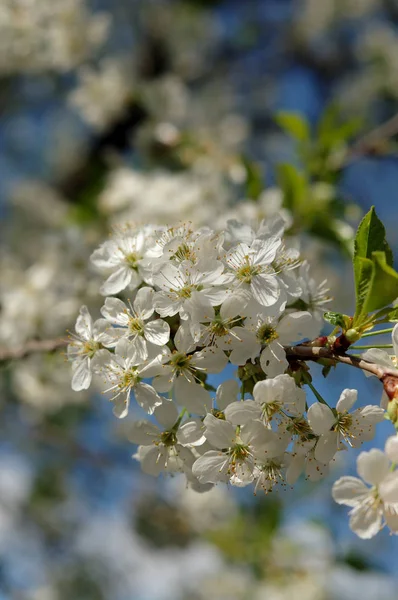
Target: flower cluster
102	94
191	303
373	506
39	35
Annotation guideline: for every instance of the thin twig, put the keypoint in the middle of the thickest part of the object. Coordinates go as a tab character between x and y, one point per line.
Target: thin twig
371	140
31	347
317	353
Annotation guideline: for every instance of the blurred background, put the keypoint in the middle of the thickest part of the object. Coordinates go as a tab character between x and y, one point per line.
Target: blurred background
156	111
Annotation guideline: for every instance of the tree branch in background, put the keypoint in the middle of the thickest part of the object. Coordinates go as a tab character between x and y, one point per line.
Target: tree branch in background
373	142
32	347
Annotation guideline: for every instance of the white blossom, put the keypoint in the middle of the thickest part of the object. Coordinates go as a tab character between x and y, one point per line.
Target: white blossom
133	321
370	506
339	425
125	371
124	256
251	267
87	346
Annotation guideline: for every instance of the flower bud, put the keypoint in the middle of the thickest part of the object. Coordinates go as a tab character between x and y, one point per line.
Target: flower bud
392	410
352	335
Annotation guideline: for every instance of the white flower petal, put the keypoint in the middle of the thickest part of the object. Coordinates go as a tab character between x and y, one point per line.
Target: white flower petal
347	400
166	413
81	378
379	357
242	412
121	405
117	282
326	447
226	393
265	250
295	326
391	448
273	360
107	255
143	303
210	359
388	489
192	395
244	346
84	324
147	397
391	518
265	289
157	332
115	311
295	468
212	467
143	432
167	305
163	383
168	277
104	333
242	474
153	459
141	350
219	433
349	491
373	466
365	521
321	418
191	433
315	470
235	304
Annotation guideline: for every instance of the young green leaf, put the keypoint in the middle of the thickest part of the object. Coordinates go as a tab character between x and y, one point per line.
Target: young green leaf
375	279
371	237
294	186
363	270
384	284
254	179
294	124
337	319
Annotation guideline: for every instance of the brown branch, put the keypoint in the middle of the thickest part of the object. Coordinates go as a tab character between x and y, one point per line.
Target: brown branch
317	353
373	141
31	347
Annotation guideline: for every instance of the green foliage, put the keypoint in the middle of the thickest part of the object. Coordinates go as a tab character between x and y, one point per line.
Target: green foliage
322	152
254	179
314	207
332	131
294	186
294	124
247	538
376	282
371	237
338	319
392	315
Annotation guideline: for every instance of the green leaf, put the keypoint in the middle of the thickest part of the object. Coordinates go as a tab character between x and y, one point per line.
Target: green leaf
294	124
294	186
332	130
338	319
384	284
386	315
326	370
254	179
363	270
375	279
371	237
393	314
